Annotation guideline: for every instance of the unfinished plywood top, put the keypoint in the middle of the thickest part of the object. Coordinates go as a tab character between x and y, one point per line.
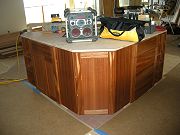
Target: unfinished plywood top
53	39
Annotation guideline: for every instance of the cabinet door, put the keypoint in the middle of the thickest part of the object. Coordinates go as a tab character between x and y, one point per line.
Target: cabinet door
146	65
45	70
94	68
28	60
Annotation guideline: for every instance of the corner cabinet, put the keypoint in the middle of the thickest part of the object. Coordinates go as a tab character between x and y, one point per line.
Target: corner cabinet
91	82
95	82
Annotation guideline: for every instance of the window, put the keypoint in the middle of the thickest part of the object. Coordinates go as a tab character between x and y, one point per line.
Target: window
38	11
123	3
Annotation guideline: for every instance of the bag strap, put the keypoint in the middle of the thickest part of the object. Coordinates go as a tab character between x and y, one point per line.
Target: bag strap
119	34
122	19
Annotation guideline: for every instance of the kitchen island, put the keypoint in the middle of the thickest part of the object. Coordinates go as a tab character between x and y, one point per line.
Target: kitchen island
93	77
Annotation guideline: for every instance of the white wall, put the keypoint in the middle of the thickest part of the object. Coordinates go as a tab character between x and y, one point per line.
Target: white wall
12	16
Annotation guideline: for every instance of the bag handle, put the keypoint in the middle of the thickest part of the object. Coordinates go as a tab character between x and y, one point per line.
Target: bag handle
119	34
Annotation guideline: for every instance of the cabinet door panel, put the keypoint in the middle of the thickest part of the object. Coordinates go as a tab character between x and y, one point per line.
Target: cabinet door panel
95	85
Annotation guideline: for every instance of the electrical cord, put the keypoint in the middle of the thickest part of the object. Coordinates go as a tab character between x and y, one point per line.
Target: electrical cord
8	81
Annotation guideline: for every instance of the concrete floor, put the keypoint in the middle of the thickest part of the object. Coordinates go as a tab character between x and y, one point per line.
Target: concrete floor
156	113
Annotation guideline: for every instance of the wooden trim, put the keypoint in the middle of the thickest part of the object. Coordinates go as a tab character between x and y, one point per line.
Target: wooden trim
94	55
112	82
102	111
78	83
133	73
56	74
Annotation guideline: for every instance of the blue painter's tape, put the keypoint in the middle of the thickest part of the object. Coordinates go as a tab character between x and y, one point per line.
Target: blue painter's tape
32	87
100	132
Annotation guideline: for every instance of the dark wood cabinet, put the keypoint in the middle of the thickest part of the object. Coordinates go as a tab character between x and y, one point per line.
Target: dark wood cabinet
85	85
45	69
41	69
145	66
149	64
100	82
95	83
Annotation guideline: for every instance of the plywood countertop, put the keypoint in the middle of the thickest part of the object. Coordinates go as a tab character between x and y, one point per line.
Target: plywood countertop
53	39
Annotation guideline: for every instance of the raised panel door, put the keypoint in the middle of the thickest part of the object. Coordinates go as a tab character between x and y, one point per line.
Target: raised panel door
94	69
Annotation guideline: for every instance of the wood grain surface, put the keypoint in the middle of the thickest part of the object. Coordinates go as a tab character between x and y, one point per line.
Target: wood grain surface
95	82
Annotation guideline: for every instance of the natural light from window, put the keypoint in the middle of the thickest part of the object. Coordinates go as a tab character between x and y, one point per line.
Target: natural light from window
39	11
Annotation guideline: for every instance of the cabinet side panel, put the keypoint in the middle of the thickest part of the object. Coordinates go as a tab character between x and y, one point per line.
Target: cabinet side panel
27	47
123	77
51	77
68	93
160	56
45	71
39	67
146	65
